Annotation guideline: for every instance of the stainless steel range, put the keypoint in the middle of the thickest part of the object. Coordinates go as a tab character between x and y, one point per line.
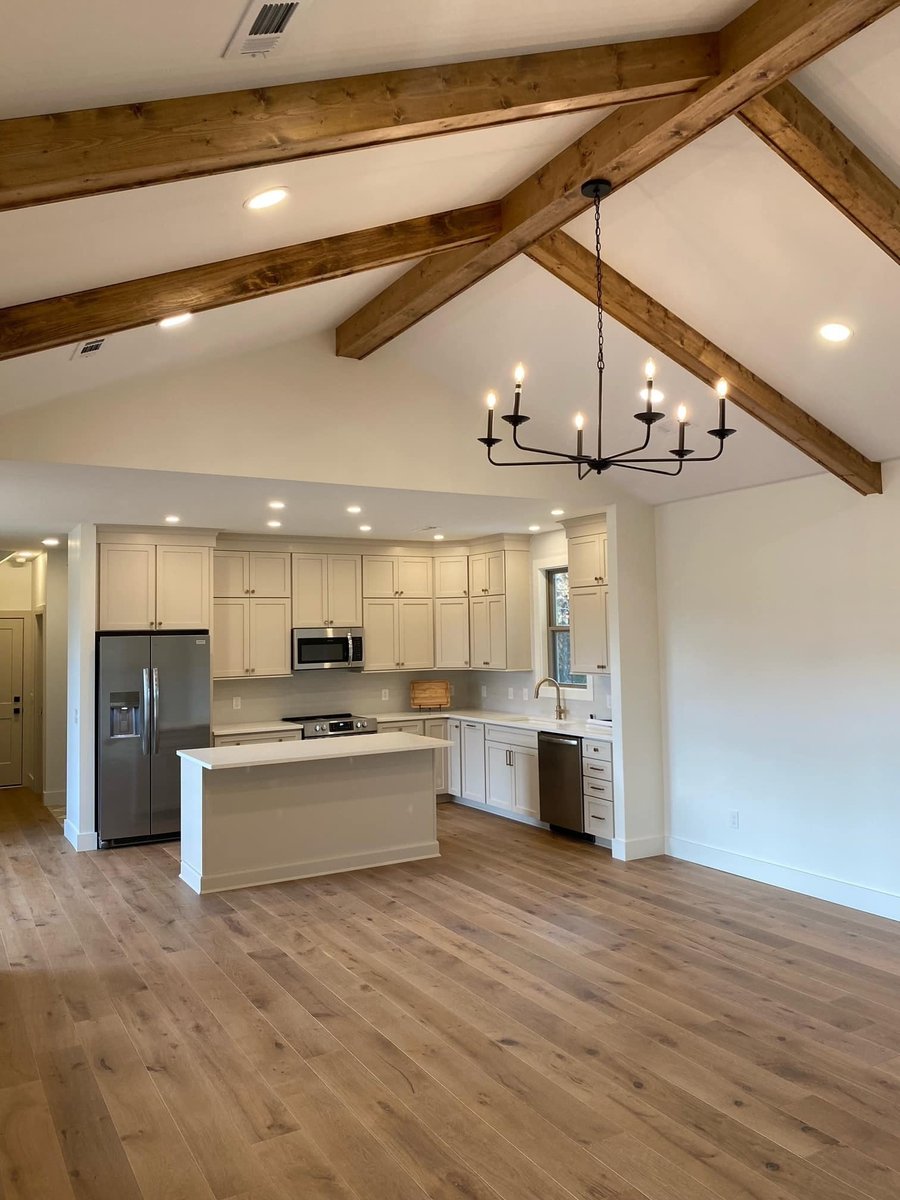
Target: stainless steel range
334	725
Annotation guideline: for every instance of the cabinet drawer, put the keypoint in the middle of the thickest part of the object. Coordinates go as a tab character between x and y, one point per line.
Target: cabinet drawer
592	749
598	818
511	737
597	789
595	769
401	727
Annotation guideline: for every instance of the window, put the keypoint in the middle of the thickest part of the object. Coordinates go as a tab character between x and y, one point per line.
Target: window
560	656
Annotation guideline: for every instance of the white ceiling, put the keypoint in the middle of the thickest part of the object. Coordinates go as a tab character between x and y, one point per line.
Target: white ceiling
38	500
76	55
723	233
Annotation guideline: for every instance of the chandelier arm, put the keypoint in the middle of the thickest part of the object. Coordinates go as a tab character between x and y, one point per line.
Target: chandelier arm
537	462
634	450
705	459
652	470
560	454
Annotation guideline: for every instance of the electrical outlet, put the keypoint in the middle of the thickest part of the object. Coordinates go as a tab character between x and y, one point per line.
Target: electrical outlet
525	694
484	691
734	819
235	702
510	694
385	693
609	703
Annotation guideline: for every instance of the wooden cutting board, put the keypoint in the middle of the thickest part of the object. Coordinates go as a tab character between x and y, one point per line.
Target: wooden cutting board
429	693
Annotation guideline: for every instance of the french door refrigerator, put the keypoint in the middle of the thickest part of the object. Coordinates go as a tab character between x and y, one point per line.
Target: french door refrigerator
153	694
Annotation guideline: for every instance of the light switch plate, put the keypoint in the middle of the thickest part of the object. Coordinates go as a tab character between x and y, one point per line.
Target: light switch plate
385	693
510	694
235	702
484	691
525	694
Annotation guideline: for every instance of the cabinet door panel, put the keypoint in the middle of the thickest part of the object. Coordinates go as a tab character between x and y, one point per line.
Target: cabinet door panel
496	573
587	560
416	633
500	776
451	633
454	756
380	576
527	791
477	574
270	574
345	590
182	587
473	761
451	576
270	636
382	635
438	729
415	577
231	573
127	587
589	636
231	638
310	590
496	608
480	634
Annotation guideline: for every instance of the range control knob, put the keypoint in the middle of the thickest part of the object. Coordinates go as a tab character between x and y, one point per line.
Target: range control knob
320	728
360	724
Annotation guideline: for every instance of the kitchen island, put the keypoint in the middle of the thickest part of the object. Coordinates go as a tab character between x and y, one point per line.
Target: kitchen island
275	811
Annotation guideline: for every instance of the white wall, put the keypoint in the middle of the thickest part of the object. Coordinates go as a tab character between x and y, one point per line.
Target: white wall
82	611
56	667
15	587
780	630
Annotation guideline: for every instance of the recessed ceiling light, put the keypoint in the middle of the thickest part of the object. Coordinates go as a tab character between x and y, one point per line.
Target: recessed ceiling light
534	529
438	537
172	520
557	512
178	319
656	398
24	555
50	542
276	504
365	529
354	508
268	198
835	331
274	524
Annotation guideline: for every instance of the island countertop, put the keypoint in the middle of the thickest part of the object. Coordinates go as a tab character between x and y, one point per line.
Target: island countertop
314	750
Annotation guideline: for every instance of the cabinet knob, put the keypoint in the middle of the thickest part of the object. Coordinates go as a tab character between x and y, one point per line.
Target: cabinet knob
601	666
159	624
253	591
485	664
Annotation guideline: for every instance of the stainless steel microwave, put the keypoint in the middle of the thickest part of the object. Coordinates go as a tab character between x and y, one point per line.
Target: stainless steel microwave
325	649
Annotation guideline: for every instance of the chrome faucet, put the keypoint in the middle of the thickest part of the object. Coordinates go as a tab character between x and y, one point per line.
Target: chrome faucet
560	711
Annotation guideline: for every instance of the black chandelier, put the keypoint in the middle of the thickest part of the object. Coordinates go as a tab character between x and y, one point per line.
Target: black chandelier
632	459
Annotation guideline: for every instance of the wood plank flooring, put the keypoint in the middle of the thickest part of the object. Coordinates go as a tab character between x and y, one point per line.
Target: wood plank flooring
521	1019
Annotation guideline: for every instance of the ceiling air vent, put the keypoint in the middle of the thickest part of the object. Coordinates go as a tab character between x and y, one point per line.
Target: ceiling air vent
89	348
261	30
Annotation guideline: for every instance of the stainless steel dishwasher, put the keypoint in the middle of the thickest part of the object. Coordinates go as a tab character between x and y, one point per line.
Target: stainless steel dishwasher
559	772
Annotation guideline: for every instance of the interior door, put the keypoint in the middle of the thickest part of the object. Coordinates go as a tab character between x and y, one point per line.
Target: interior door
179	668
12	635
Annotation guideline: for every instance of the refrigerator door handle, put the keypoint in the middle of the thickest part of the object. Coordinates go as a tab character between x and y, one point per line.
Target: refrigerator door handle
145	711
156	710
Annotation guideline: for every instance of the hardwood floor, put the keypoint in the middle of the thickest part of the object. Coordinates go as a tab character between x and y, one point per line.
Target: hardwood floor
520	1019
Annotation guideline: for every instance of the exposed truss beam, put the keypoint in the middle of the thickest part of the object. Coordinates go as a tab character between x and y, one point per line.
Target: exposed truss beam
64	155
575	265
62	320
759	48
826	158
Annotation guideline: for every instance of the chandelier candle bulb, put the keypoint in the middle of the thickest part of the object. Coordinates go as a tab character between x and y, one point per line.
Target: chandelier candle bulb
491	401
682	417
519	377
579	436
721	392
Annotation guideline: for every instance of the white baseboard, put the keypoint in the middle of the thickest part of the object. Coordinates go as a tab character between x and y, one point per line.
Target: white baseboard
81	841
55	798
283	872
626	849
522	818
822	887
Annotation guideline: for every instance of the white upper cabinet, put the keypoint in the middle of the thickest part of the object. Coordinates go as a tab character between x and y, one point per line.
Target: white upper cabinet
182	587
231	573
381	621
489	633
270	574
487	574
153	587
344	590
451	576
127	587
310	590
386	576
270	636
587	560
451	633
416	623
589	636
231	638
326	590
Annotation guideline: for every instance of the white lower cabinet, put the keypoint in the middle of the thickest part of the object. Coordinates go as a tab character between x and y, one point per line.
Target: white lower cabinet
438	729
511	770
473	772
401	727
526	796
251	637
454	758
500	775
255	739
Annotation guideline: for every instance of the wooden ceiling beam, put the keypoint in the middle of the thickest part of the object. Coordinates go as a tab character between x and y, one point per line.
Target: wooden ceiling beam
804	137
758	49
63	320
575	265
65	155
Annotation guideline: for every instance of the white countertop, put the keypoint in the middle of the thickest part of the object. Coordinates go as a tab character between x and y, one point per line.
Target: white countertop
512	720
268	754
246	728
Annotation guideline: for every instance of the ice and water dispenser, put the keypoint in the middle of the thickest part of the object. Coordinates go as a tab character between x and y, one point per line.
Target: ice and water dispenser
124	715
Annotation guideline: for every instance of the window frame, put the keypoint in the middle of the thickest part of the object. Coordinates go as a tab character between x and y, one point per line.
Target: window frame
550	575
541	639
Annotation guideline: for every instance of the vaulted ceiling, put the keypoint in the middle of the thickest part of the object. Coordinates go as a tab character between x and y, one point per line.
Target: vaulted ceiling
724	232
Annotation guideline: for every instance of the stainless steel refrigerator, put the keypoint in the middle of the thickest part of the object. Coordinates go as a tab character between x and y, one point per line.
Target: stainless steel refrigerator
153	693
